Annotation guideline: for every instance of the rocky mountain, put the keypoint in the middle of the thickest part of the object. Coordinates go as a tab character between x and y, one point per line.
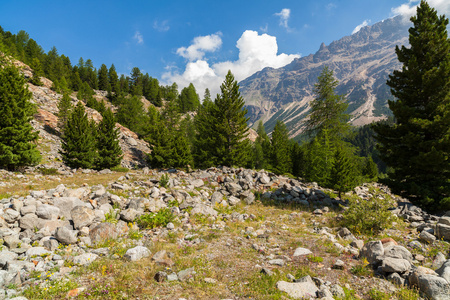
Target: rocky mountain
361	63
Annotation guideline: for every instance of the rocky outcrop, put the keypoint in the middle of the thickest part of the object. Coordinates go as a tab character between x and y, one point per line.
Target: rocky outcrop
360	62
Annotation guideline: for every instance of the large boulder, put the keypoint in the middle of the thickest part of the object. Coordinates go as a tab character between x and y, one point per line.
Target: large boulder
103	231
304	288
434	287
395	265
82	216
48	212
137	253
66	204
65	235
371	251
444	270
396	251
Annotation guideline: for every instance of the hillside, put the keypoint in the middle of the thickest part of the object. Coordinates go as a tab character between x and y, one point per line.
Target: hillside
220	233
361	63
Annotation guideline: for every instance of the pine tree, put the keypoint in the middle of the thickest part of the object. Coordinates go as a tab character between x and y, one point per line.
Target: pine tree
79	148
343	175
280	155
327	109
131	114
109	151
17	137
370	170
103	82
223	134
319	159
188	99
261	148
64	111
417	146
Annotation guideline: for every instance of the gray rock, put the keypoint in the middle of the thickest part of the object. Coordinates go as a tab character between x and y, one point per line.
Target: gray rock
65	235
30	221
396	278
397	265
160	276
172	277
299	290
247	197
7	256
51	244
103	231
216	198
12	241
358	244
301	252
186	274
137	253
337	291
439	260
232	200
66	204
48	212
372	250
396	251
338	264
37	251
204	210
10	215
85	259
444	270
267	271
233	188
436	288
197	183
82	216
413	277
427	237
29	209
277	262
129	215
264	179
443	231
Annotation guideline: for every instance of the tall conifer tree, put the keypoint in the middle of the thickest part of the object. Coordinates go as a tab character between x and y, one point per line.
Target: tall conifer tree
79	148
17	136
417	146
64	111
109	151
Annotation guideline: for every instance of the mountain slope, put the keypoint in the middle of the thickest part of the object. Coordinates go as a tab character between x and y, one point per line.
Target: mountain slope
361	63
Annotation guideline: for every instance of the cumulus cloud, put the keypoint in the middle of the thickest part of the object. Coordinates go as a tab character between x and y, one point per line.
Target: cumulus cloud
161	26
200	45
363	24
284	15
255	53
138	37
409	9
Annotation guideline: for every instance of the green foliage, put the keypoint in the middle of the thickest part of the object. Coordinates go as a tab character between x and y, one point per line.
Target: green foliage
188	99
64	110
164	180
52	290
134	234
17	137
131	113
111	217
109	151
368	216
79	140
328	109
313	258
280	152
370	170
343	177
261	148
417	146
120	169
153	220
222	129
48	171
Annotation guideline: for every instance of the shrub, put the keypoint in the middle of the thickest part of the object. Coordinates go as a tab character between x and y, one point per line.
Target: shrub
152	220
48	171
164	181
111	217
120	169
368	216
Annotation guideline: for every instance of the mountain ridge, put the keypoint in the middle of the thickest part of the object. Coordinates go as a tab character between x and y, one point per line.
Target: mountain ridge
361	63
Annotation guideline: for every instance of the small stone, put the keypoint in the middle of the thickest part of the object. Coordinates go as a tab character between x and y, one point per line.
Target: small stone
160	276
266	271
137	253
339	265
277	262
301	251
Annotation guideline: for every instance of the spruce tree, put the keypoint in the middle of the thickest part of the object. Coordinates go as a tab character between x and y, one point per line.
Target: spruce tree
204	140
64	111
188	99
370	170
109	151
103	82
261	148
280	152
343	176
79	147
327	109
417	146
17	137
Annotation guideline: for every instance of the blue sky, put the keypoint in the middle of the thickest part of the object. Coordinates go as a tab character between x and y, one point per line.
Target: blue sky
194	41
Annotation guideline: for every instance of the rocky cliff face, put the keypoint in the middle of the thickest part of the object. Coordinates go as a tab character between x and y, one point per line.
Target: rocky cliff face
361	63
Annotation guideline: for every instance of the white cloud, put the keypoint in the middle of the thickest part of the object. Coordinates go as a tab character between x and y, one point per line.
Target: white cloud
409	9
255	53
200	45
265	28
363	24
330	6
284	15
161	26
138	37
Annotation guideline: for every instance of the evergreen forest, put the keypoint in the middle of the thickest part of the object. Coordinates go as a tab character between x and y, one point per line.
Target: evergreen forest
410	151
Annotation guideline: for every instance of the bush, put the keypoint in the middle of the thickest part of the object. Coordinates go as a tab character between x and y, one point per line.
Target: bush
152	220
48	171
368	216
120	169
164	181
